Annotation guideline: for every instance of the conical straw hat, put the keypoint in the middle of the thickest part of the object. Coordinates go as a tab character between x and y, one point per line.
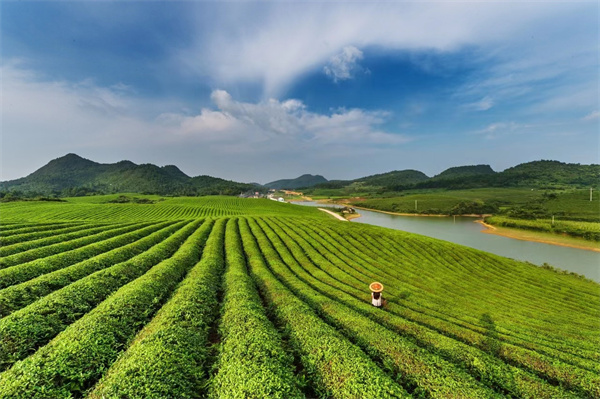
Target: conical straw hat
376	287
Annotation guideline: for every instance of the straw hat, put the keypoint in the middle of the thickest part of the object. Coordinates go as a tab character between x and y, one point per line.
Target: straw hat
376	287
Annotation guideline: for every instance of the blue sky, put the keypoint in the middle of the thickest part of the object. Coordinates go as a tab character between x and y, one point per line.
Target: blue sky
258	91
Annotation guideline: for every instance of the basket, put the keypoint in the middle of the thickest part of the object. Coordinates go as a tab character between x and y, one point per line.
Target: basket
376	287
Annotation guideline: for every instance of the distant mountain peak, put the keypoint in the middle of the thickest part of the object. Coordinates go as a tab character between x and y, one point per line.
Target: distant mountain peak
174	171
71	157
126	163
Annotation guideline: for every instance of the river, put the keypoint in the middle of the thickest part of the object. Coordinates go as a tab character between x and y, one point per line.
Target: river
464	231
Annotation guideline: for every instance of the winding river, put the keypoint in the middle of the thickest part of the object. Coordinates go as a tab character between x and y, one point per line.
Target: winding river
464	231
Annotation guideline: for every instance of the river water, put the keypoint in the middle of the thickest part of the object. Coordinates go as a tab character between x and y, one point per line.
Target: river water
464	231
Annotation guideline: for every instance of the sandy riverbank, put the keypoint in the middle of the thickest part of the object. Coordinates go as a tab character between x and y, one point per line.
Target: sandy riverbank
538	236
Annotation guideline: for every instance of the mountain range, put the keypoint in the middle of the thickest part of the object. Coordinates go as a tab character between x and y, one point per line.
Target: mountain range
536	174
72	175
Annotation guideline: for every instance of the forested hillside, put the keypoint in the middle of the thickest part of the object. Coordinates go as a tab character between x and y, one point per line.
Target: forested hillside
73	175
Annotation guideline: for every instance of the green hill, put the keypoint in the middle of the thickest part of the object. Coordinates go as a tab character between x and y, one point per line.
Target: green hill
554	173
299	182
465	171
536	174
73	175
394	178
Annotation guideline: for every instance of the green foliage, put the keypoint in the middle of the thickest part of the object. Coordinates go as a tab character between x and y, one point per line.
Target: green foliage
135	315
31	237
348	270
71	363
62	255
19	295
167	358
528	211
323	352
491	341
249	365
123	199
473	207
92	237
416	368
33	326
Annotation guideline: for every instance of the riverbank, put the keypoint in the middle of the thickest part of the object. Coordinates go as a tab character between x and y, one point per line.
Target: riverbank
410	214
518	234
538	236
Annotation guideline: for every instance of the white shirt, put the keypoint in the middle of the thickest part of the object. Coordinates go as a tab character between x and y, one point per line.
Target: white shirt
376	302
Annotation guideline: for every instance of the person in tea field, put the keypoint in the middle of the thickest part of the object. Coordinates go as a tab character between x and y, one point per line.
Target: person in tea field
376	296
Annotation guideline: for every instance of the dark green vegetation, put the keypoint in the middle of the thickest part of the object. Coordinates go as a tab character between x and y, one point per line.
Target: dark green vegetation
72	175
223	297
302	181
465	171
546	175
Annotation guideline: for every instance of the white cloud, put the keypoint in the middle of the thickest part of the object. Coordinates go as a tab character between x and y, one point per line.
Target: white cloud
495	130
482	105
290	119
592	116
275	43
342	66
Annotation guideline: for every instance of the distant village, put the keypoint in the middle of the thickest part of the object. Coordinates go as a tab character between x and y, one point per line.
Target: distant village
275	195
271	194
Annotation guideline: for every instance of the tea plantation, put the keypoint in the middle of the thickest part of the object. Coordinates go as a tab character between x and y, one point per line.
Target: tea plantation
222	297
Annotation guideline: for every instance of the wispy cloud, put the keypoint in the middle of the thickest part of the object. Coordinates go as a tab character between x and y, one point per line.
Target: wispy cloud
344	65
285	40
592	116
495	130
482	105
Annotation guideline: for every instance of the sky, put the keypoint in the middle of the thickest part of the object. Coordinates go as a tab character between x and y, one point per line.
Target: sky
259	91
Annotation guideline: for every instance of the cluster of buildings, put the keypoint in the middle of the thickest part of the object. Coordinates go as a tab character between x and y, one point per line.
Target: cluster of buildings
257	194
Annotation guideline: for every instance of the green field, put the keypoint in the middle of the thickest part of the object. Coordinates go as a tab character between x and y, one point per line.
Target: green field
224	297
